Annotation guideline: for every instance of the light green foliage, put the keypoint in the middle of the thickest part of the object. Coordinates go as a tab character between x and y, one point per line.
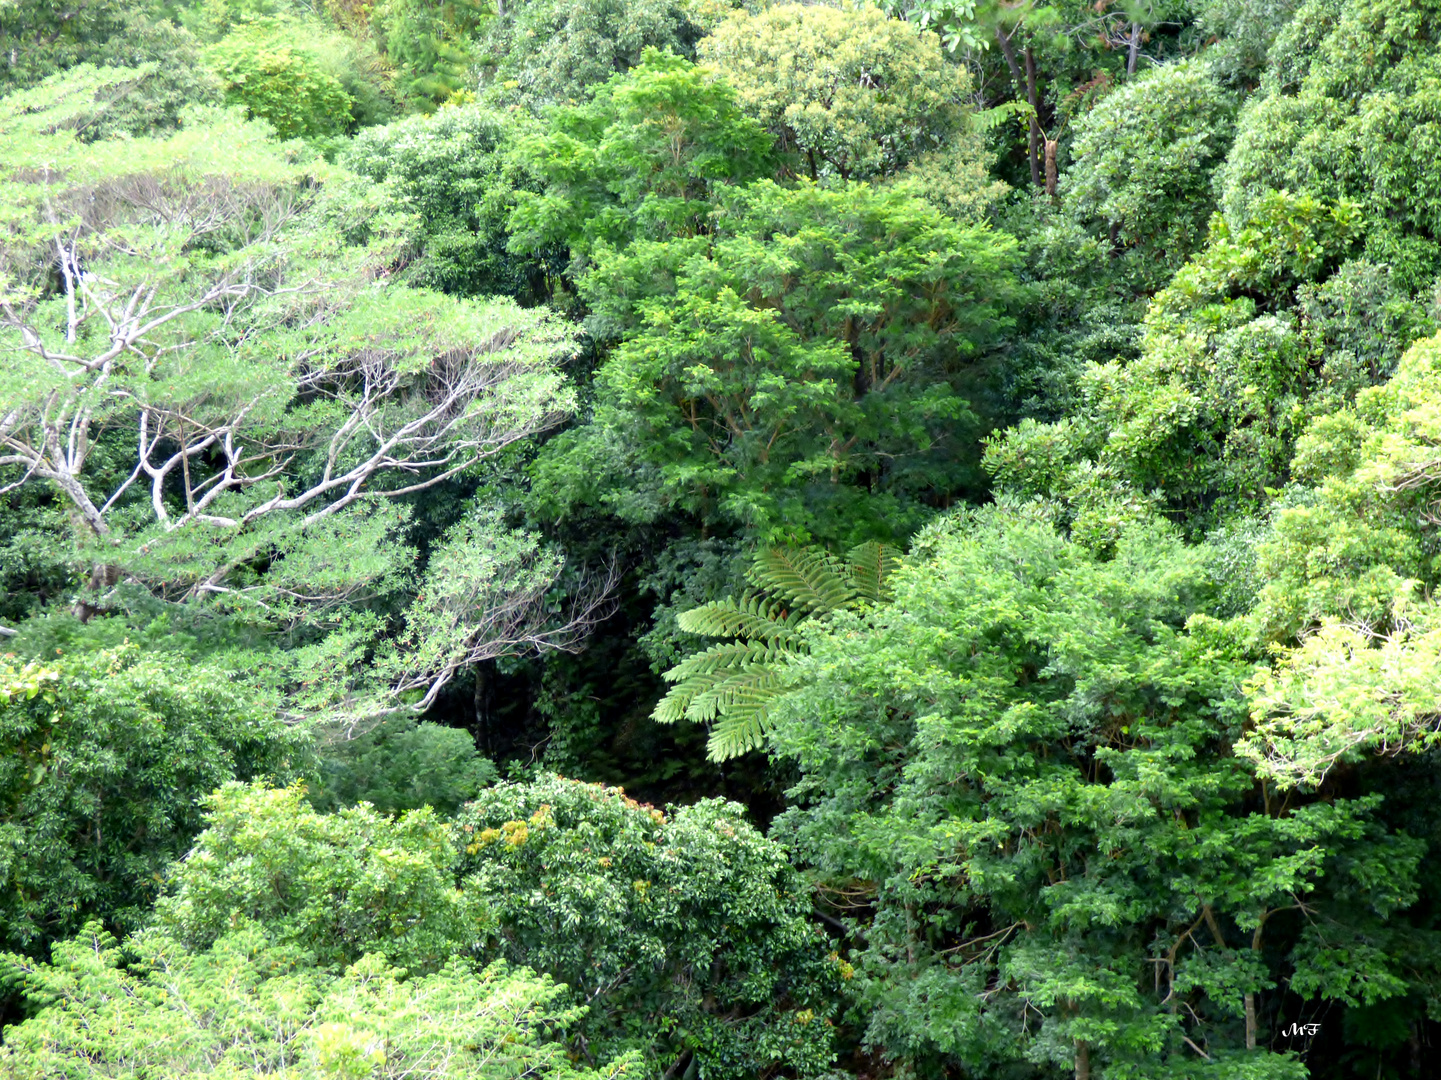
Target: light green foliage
246	1007
1355	552
276	44
334	886
103	758
1020	772
850	93
1348	110
685	930
401	765
733	684
1142	163
1239	33
1342	693
796	372
1357	537
271	394
1263	330
555	52
280	81
430	42
642	160
453	173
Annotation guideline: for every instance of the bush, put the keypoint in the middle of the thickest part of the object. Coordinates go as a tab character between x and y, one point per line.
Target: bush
103	759
686	930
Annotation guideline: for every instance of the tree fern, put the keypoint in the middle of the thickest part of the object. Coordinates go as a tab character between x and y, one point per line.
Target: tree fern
811	579
731	686
871	566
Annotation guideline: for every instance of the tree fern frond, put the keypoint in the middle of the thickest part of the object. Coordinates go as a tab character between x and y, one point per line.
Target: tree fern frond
732	685
752	616
811	579
740	729
678	698
697	674
722	657
871	566
755	684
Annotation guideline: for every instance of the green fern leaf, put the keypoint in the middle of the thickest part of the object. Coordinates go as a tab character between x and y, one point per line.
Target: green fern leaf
732	685
697	674
741	728
871	566
812	580
752	617
755	684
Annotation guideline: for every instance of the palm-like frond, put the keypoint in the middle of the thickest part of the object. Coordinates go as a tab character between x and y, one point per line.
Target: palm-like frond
811	579
753	617
699	673
743	724
732	685
871	567
755	684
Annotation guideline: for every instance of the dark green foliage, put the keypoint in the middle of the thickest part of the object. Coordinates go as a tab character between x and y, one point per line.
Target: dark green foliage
401	765
684	930
104	758
555	52
797	371
453	172
41	37
1107	313
1266	328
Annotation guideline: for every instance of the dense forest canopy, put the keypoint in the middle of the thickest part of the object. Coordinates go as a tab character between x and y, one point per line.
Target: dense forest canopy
717	540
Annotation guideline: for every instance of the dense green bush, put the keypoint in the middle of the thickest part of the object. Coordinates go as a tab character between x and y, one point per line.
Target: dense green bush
684	930
1142	163
246	1007
401	765
280	81
104	760
1348	109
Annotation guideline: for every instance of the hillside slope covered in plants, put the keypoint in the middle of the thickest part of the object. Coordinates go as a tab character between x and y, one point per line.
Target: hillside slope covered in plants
717	540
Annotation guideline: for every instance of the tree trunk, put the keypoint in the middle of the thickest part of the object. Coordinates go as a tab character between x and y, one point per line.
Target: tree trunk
1083	1060
102	578
1034	98
1135	49
1051	167
1026	84
1248	999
